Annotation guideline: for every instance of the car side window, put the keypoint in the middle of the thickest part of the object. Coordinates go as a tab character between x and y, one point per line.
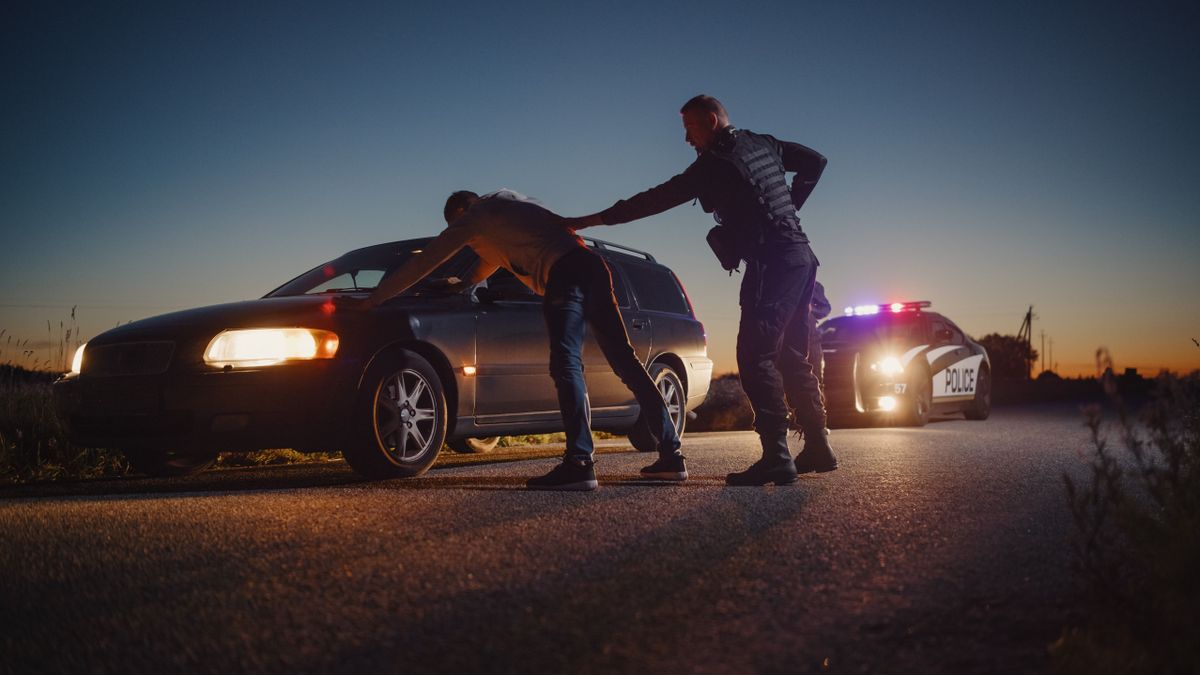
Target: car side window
504	286
938	331
946	333
956	334
656	289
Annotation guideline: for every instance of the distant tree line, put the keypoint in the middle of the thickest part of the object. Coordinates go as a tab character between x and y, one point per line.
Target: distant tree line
1010	356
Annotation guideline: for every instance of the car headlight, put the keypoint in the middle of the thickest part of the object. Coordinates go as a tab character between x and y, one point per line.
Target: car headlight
269	346
77	360
889	366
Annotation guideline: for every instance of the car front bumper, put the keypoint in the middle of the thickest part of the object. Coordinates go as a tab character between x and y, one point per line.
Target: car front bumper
303	405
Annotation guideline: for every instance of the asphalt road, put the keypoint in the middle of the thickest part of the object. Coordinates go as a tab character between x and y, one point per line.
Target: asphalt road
943	549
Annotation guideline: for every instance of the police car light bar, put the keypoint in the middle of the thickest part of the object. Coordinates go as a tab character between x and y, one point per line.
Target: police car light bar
893	307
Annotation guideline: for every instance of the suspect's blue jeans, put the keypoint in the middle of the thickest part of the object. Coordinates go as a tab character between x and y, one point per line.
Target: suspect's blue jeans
579	295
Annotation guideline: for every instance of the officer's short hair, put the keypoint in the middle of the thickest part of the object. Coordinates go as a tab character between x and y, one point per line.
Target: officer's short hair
460	200
704	103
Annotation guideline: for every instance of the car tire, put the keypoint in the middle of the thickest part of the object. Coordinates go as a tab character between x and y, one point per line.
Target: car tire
473	445
399	418
981	407
921	402
169	464
671	388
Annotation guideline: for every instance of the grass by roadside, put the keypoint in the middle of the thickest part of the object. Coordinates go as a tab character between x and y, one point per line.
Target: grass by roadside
33	440
1137	544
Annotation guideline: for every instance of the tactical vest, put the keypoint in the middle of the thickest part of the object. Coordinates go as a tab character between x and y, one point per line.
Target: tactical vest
771	215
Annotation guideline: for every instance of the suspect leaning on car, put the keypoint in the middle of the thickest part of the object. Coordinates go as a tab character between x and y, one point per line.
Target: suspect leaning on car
507	230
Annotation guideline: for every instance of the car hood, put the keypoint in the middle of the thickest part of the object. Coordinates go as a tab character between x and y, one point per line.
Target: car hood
306	311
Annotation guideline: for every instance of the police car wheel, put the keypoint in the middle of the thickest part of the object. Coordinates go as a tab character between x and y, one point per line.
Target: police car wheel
671	388
921	402
981	407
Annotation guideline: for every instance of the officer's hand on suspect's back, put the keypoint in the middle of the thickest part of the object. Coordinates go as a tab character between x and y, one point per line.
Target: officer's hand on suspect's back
581	222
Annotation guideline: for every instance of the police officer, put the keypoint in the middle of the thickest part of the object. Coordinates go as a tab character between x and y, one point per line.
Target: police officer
739	177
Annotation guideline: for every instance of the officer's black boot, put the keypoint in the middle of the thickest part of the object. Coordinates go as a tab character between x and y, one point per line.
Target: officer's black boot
775	466
817	455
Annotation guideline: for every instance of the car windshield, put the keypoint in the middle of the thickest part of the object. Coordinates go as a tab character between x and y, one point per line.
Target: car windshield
363	270
887	328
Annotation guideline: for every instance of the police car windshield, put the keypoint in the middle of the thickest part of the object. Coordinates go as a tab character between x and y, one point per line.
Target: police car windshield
903	328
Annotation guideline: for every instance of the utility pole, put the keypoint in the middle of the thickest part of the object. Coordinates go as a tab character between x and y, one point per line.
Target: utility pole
1025	336
1043	354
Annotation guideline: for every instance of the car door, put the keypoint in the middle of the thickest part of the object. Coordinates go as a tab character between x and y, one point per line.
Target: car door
605	389
952	366
512	352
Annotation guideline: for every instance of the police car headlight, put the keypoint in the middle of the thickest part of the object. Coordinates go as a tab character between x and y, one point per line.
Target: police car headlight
269	346
889	366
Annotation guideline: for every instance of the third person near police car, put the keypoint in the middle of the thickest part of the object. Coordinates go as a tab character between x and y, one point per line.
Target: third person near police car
740	177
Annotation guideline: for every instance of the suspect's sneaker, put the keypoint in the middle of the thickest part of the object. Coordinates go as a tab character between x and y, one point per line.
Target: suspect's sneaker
670	467
577	475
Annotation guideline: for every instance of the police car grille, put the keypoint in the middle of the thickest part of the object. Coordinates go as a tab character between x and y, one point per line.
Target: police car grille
128	358
839	380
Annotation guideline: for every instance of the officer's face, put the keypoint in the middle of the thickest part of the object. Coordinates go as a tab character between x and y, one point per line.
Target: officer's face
700	127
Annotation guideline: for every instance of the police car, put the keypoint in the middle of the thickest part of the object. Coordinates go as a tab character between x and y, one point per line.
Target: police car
900	363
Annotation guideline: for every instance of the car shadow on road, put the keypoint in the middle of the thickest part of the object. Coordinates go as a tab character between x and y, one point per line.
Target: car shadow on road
291	477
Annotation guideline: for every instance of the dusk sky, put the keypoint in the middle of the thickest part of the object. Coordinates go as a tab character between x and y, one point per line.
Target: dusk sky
983	156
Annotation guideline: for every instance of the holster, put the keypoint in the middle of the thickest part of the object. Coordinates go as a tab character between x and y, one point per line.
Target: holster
723	243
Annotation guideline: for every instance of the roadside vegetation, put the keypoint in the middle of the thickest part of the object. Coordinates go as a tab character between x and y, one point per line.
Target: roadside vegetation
1137	544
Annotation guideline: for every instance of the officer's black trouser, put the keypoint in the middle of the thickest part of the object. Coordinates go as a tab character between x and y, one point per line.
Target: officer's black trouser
772	344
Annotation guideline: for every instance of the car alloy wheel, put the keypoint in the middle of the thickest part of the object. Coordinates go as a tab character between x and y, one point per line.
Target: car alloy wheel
401	418
981	406
405	415
921	404
673	393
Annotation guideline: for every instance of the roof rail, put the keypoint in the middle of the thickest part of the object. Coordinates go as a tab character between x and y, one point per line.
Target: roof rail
609	246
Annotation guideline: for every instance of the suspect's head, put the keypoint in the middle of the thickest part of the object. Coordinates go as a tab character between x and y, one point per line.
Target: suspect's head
457	204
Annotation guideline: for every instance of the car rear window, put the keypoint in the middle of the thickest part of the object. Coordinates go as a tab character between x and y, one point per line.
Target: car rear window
656	289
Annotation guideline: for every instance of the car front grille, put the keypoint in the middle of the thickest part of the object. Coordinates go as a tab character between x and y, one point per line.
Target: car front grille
839	380
128	358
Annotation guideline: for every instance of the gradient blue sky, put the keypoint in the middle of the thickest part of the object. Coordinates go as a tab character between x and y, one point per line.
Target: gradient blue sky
984	156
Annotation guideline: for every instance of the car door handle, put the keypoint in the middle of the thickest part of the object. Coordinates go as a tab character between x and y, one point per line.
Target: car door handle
638	324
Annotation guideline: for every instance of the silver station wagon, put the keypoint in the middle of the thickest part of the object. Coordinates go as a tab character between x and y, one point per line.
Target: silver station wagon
297	368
